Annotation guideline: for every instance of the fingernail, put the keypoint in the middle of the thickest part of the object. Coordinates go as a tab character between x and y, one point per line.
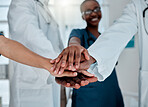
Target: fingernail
51	68
63	64
68	84
73	69
55	72
77	66
56	60
70	67
75	73
86	81
60	72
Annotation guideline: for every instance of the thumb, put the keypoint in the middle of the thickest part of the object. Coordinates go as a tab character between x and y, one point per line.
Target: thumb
86	73
86	54
84	65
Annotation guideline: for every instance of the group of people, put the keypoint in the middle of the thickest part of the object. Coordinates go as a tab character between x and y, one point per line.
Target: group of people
86	64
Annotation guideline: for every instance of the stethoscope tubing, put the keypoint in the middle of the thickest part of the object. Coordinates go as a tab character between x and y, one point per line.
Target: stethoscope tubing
144	11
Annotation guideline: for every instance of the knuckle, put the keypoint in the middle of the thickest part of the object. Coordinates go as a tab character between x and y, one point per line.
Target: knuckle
77	55
63	60
71	54
65	53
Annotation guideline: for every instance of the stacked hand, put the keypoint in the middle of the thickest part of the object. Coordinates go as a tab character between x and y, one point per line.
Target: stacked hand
75	82
74	58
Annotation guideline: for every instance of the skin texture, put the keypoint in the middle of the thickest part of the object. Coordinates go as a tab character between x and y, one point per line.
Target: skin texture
17	52
92	21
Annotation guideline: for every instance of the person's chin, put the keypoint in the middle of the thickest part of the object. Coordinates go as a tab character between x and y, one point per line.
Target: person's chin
94	24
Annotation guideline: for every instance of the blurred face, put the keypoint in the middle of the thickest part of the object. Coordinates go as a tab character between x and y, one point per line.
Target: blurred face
91	13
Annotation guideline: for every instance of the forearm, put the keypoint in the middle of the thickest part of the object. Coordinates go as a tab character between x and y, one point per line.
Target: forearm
16	51
74	41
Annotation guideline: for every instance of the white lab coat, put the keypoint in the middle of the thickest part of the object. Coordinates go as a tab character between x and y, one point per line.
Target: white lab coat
108	47
31	23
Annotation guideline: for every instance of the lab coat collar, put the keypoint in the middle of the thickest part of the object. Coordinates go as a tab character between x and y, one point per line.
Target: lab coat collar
146	1
45	2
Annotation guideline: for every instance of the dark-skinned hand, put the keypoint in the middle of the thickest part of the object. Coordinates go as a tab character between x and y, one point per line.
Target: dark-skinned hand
75	82
69	58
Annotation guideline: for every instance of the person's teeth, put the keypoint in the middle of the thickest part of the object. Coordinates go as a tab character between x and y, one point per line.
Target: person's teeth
94	19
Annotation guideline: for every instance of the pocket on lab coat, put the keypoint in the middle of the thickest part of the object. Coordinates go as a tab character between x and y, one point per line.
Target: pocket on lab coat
27	75
144	88
31	76
36	97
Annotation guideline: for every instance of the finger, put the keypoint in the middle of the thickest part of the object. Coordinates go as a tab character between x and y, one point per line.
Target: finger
58	80
53	68
86	54
62	69
92	79
64	59
68	74
72	83
86	73
65	84
57	68
84	65
84	81
77	59
58	58
77	80
52	61
62	82
71	60
82	58
77	86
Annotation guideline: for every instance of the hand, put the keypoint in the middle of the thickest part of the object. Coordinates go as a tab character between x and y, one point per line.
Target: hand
86	63
65	74
48	66
75	82
69	56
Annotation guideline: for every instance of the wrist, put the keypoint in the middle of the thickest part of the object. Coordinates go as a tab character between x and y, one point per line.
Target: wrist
74	44
46	64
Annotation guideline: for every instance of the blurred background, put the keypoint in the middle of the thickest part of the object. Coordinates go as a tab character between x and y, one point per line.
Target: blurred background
68	16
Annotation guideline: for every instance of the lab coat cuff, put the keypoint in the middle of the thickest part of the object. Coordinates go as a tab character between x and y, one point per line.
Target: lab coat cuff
98	69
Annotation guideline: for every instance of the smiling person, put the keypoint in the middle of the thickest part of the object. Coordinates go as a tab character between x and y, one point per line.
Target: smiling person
100	94
97	94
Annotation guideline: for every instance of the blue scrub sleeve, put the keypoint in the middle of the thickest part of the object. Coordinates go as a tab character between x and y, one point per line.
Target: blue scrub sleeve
76	33
1	34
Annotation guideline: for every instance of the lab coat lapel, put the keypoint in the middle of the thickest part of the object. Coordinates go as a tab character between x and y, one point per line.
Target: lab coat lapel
42	6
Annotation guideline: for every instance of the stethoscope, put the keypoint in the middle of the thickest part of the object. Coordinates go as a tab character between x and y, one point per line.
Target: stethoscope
90	38
144	11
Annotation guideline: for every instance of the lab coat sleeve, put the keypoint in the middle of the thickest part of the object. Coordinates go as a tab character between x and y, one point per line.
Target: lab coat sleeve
107	48
24	27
